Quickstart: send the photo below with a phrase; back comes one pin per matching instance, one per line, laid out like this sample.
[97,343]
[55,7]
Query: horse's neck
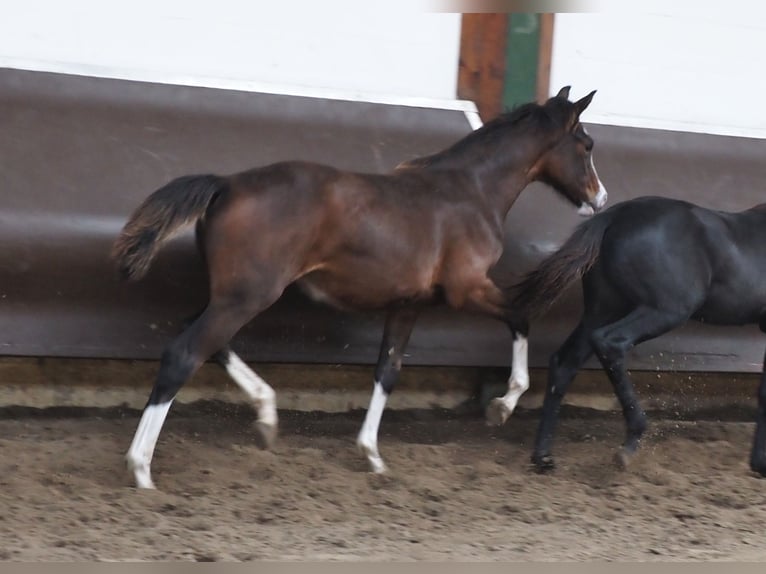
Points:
[500,174]
[503,181]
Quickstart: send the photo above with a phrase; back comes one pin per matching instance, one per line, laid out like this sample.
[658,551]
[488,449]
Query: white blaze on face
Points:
[601,197]
[587,209]
[600,200]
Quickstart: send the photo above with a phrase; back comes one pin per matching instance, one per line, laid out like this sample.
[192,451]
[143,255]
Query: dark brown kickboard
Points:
[78,154]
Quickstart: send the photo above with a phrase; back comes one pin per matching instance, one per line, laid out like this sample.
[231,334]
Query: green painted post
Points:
[522,53]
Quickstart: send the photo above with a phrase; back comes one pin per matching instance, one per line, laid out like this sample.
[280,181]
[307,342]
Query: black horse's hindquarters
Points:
[648,265]
[105,143]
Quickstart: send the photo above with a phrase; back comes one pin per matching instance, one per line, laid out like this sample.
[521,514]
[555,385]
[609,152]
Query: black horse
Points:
[649,265]
[428,231]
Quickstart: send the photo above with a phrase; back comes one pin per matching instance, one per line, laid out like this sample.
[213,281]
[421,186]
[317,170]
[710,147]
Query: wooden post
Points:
[505,60]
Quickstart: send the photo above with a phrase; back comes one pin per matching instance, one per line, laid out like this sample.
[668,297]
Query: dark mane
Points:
[523,119]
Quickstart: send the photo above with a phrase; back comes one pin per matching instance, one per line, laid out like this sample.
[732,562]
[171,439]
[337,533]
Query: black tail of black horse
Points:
[537,292]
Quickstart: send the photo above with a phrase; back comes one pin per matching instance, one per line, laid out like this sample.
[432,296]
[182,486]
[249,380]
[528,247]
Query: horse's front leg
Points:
[490,299]
[562,368]
[758,454]
[500,408]
[399,324]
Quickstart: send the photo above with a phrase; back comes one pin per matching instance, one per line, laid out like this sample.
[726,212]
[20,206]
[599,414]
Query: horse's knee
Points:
[607,347]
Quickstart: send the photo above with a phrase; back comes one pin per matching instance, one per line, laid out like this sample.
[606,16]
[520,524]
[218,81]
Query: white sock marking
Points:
[259,391]
[518,382]
[368,435]
[139,456]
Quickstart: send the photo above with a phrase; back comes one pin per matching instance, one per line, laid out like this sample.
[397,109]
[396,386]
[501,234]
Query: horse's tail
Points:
[164,213]
[537,292]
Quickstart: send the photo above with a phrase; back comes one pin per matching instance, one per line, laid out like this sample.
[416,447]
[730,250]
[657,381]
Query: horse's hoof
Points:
[377,466]
[142,476]
[544,464]
[758,468]
[623,458]
[497,412]
[266,435]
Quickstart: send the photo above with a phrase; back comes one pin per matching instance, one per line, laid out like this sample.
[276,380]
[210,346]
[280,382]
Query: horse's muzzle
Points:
[594,206]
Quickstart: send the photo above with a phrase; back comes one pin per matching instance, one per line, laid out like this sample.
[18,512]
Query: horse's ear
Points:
[580,105]
[564,92]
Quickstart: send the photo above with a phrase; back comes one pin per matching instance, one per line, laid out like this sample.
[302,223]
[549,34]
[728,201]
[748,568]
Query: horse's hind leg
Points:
[258,390]
[611,344]
[562,368]
[208,334]
[399,324]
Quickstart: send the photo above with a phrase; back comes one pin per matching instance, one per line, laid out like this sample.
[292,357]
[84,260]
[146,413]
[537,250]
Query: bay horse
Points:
[427,232]
[647,266]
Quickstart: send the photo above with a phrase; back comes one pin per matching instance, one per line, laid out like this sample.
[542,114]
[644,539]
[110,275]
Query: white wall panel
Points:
[288,46]
[687,67]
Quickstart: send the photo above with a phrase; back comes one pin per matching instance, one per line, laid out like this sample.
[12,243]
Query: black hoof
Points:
[758,468]
[543,463]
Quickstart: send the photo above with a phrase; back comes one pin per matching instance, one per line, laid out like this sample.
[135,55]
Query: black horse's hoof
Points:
[623,458]
[544,464]
[758,468]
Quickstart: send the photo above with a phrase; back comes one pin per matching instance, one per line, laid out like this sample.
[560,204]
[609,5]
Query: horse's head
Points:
[567,166]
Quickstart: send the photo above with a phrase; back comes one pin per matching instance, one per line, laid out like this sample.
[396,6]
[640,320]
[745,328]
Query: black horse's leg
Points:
[500,408]
[611,343]
[758,454]
[399,325]
[562,368]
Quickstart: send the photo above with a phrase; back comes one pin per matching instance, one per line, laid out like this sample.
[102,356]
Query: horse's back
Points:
[673,254]
[654,252]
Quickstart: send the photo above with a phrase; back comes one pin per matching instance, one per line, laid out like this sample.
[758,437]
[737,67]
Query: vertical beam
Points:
[505,60]
[481,72]
[522,52]
[545,55]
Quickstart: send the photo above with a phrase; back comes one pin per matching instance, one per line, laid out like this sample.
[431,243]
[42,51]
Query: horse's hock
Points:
[78,154]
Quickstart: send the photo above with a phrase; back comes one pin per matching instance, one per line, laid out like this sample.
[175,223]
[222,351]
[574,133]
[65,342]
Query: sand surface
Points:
[457,490]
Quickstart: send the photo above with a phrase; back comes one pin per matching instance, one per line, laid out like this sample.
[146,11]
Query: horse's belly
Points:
[362,291]
[731,309]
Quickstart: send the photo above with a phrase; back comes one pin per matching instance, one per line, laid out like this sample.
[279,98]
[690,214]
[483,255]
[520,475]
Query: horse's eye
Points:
[588,144]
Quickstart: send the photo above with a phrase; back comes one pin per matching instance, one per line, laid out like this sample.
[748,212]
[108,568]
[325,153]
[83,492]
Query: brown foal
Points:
[428,232]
